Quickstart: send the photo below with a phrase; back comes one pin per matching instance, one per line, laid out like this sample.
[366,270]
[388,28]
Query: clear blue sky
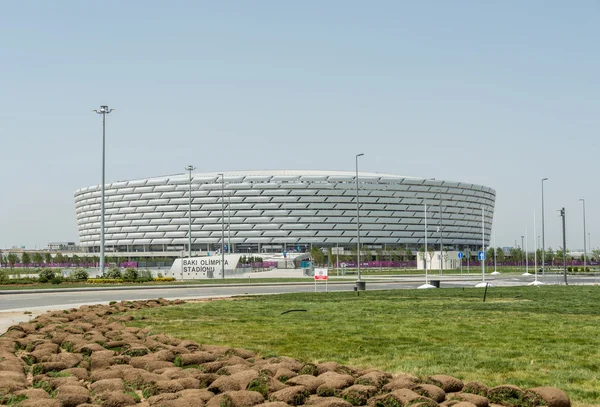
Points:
[499,93]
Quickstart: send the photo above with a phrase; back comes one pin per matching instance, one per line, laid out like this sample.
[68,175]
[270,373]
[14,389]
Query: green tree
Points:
[596,254]
[47,258]
[559,255]
[12,259]
[549,258]
[499,255]
[408,255]
[317,256]
[421,255]
[37,259]
[431,252]
[26,259]
[489,255]
[59,258]
[76,260]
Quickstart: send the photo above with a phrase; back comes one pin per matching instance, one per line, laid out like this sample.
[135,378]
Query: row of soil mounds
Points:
[88,357]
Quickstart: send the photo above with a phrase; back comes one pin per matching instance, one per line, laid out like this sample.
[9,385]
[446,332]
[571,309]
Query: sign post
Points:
[460,257]
[321,274]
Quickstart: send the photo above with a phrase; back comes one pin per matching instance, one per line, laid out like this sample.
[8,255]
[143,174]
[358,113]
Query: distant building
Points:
[62,246]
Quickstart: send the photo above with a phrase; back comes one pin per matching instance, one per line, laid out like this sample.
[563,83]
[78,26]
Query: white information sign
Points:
[203,267]
[321,275]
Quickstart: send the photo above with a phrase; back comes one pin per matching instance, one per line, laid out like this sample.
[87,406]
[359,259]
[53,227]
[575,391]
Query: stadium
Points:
[275,211]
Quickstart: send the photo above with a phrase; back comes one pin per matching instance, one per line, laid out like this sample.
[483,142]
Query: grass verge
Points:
[527,336]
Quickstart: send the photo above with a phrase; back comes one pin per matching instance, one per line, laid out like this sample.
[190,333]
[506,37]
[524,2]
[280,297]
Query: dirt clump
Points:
[242,398]
[358,394]
[448,383]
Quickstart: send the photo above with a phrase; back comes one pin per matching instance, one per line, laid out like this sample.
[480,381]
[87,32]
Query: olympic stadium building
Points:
[272,211]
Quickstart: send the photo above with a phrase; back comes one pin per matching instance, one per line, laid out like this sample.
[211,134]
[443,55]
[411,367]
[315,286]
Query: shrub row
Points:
[101,280]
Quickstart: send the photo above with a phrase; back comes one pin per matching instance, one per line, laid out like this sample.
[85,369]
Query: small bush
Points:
[587,269]
[45,275]
[130,274]
[114,273]
[105,280]
[161,279]
[80,275]
[56,280]
[569,269]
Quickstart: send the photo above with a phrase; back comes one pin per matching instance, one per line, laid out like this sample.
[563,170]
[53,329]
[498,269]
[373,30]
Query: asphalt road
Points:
[26,300]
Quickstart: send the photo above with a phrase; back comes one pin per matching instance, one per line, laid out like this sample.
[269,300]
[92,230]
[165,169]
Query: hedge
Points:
[122,280]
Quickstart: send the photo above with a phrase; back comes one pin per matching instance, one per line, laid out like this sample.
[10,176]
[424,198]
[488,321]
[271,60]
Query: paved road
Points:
[25,300]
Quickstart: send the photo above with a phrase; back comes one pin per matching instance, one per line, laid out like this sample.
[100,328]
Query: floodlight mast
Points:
[104,110]
[190,168]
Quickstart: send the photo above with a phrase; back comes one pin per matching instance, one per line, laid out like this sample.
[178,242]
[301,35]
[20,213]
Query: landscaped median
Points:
[88,357]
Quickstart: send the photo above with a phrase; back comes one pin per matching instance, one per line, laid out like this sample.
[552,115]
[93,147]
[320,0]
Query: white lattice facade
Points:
[274,209]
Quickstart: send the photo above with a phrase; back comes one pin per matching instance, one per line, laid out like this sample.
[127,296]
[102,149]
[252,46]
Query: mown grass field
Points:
[527,336]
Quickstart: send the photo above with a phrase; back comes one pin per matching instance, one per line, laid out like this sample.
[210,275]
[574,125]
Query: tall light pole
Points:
[358,282]
[523,246]
[222,225]
[584,241]
[563,215]
[190,168]
[229,223]
[441,240]
[543,235]
[104,110]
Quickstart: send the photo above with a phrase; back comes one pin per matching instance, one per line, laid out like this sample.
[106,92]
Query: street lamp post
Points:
[229,223]
[522,247]
[190,168]
[359,283]
[584,241]
[441,241]
[222,225]
[104,110]
[543,235]
[563,215]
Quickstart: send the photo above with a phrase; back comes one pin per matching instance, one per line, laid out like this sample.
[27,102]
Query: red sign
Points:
[320,274]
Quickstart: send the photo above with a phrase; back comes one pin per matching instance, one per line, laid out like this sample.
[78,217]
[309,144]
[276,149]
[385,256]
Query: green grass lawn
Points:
[527,336]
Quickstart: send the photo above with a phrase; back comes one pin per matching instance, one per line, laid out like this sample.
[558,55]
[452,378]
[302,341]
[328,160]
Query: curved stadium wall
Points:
[271,210]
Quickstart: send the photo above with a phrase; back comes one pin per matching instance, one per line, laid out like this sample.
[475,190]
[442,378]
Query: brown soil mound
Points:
[310,382]
[197,394]
[40,403]
[402,397]
[358,394]
[78,372]
[374,378]
[448,383]
[507,395]
[476,388]
[33,394]
[107,386]
[237,381]
[72,396]
[243,398]
[283,374]
[334,386]
[476,399]
[464,404]
[552,396]
[196,358]
[116,400]
[401,381]
[293,396]
[327,402]
[430,390]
